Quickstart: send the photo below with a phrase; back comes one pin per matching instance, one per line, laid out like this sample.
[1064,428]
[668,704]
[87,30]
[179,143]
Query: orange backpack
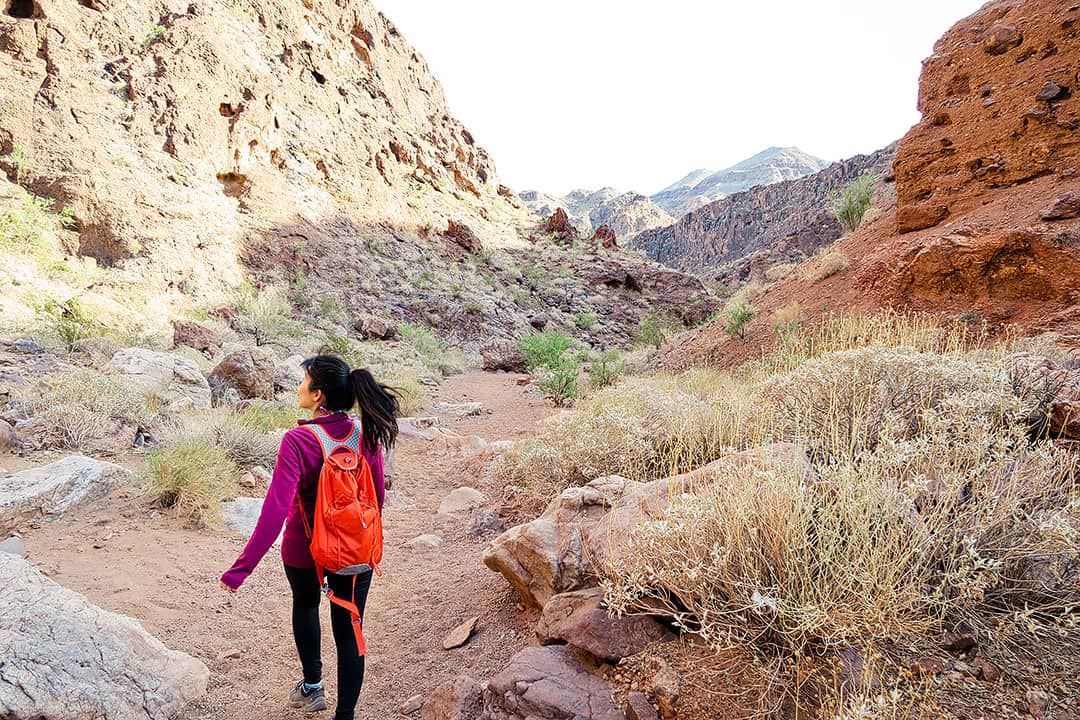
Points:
[347,538]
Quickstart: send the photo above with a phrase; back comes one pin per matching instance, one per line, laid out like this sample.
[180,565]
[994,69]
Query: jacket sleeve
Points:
[279,499]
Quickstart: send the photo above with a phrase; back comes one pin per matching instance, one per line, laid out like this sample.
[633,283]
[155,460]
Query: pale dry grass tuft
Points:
[192,477]
[824,265]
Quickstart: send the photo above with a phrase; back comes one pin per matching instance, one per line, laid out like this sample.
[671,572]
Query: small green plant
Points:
[19,156]
[586,320]
[854,200]
[330,307]
[473,307]
[265,314]
[67,218]
[27,224]
[605,369]
[654,328]
[192,477]
[736,318]
[153,32]
[67,320]
[435,353]
[562,382]
[544,349]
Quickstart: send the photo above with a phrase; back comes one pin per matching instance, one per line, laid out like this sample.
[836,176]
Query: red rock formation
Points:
[1000,107]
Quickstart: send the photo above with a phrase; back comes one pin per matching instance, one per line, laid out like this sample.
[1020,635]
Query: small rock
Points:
[13,546]
[256,477]
[485,522]
[412,705]
[1064,207]
[461,634]
[9,440]
[373,327]
[1037,701]
[989,672]
[425,541]
[229,655]
[26,345]
[540,321]
[424,422]
[241,515]
[248,372]
[396,499]
[638,707]
[959,639]
[464,409]
[1049,91]
[665,688]
[969,670]
[200,337]
[1001,39]
[460,500]
[427,380]
[927,667]
[502,354]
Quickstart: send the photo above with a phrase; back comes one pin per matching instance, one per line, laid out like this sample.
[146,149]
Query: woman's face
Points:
[309,400]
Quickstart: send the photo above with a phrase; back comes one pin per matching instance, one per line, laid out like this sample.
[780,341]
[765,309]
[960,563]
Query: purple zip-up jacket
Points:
[296,474]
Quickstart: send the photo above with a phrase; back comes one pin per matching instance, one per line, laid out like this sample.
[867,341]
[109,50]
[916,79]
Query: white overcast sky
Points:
[586,93]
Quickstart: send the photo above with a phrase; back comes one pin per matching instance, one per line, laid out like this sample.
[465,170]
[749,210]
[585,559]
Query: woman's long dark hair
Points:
[344,388]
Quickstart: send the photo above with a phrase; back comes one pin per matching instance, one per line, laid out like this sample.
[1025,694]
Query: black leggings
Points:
[305,620]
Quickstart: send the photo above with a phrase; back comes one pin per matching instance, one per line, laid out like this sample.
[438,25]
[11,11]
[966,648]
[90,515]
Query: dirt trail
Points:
[127,558]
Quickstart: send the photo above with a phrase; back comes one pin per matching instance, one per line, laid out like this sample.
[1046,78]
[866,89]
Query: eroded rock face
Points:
[546,556]
[457,699]
[66,659]
[172,377]
[578,618]
[999,107]
[200,337]
[47,492]
[250,372]
[542,683]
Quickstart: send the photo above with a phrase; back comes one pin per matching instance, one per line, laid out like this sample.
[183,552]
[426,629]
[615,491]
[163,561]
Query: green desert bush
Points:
[736,317]
[544,349]
[562,381]
[654,328]
[853,201]
[26,224]
[67,321]
[266,315]
[244,436]
[192,476]
[605,369]
[436,354]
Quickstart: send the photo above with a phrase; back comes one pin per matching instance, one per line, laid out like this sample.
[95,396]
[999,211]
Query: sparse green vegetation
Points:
[654,329]
[604,369]
[25,225]
[19,156]
[544,349]
[737,316]
[435,353]
[67,321]
[192,477]
[825,264]
[266,315]
[853,201]
[153,32]
[586,320]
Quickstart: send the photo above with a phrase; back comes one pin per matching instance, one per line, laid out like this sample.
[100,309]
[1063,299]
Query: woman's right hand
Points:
[226,588]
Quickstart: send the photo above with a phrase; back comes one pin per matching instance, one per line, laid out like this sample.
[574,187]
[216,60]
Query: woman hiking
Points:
[329,389]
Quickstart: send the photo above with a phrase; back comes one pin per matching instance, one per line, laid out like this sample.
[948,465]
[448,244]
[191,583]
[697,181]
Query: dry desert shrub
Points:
[247,437]
[192,477]
[824,265]
[76,406]
[778,272]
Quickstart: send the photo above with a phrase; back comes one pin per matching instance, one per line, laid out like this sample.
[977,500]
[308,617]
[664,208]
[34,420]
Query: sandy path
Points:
[127,558]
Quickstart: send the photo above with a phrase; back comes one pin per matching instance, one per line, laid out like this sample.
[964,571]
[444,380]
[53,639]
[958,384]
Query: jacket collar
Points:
[324,420]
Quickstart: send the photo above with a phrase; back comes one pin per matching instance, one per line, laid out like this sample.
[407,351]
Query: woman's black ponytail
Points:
[379,409]
[378,403]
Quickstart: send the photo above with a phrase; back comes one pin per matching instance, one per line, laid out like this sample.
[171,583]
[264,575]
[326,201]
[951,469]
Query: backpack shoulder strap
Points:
[329,444]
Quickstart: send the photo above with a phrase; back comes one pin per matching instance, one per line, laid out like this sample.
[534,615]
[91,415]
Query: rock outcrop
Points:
[580,619]
[250,372]
[47,492]
[66,659]
[744,234]
[171,377]
[626,213]
[173,134]
[701,187]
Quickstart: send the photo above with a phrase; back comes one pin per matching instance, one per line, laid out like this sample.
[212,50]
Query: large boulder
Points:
[64,658]
[288,374]
[550,682]
[375,327]
[47,492]
[502,354]
[200,337]
[1050,390]
[174,378]
[546,556]
[579,618]
[249,371]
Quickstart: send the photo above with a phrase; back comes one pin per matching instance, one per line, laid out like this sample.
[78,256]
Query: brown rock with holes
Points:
[958,639]
[457,699]
[579,618]
[666,689]
[1066,206]
[250,372]
[462,235]
[548,683]
[1037,702]
[1001,39]
[502,354]
[559,225]
[604,238]
[194,335]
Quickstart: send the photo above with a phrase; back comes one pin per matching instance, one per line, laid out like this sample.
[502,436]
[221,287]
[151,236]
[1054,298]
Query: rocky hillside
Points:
[986,224]
[626,213]
[174,131]
[744,234]
[702,187]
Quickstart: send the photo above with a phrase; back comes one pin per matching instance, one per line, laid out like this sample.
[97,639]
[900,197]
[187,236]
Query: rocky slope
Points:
[626,213]
[702,187]
[175,130]
[986,223]
[742,235]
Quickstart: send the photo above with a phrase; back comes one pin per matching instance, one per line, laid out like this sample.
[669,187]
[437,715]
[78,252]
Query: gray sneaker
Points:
[310,700]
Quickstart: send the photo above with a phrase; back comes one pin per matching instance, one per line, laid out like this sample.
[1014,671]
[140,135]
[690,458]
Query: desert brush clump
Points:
[436,354]
[824,265]
[853,201]
[73,407]
[192,476]
[247,437]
